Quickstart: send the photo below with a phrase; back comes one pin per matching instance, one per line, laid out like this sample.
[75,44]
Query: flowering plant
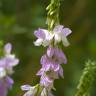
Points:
[7,62]
[51,61]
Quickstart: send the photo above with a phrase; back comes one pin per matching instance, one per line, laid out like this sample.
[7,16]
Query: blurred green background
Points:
[19,19]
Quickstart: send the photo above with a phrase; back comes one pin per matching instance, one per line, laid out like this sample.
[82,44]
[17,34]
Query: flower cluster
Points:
[7,62]
[51,61]
[59,33]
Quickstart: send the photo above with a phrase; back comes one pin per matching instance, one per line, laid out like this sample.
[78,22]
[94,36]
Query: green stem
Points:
[53,14]
[86,79]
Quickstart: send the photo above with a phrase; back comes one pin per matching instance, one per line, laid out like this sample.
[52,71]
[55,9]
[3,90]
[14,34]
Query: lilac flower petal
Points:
[40,33]
[60,72]
[40,72]
[6,63]
[45,81]
[8,48]
[55,67]
[26,87]
[60,56]
[66,32]
[14,62]
[11,61]
[3,88]
[46,67]
[2,62]
[58,29]
[5,85]
[44,60]
[9,82]
[50,51]
[44,37]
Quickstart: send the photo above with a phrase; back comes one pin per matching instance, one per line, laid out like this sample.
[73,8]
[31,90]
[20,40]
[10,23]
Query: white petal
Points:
[26,87]
[46,43]
[57,38]
[38,42]
[29,93]
[2,73]
[44,92]
[65,41]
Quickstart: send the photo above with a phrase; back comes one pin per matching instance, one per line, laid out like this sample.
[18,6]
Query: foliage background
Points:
[19,19]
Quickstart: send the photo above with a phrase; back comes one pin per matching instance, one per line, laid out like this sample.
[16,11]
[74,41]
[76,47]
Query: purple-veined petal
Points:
[46,67]
[40,33]
[58,28]
[50,51]
[44,59]
[44,37]
[8,48]
[45,81]
[55,67]
[66,32]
